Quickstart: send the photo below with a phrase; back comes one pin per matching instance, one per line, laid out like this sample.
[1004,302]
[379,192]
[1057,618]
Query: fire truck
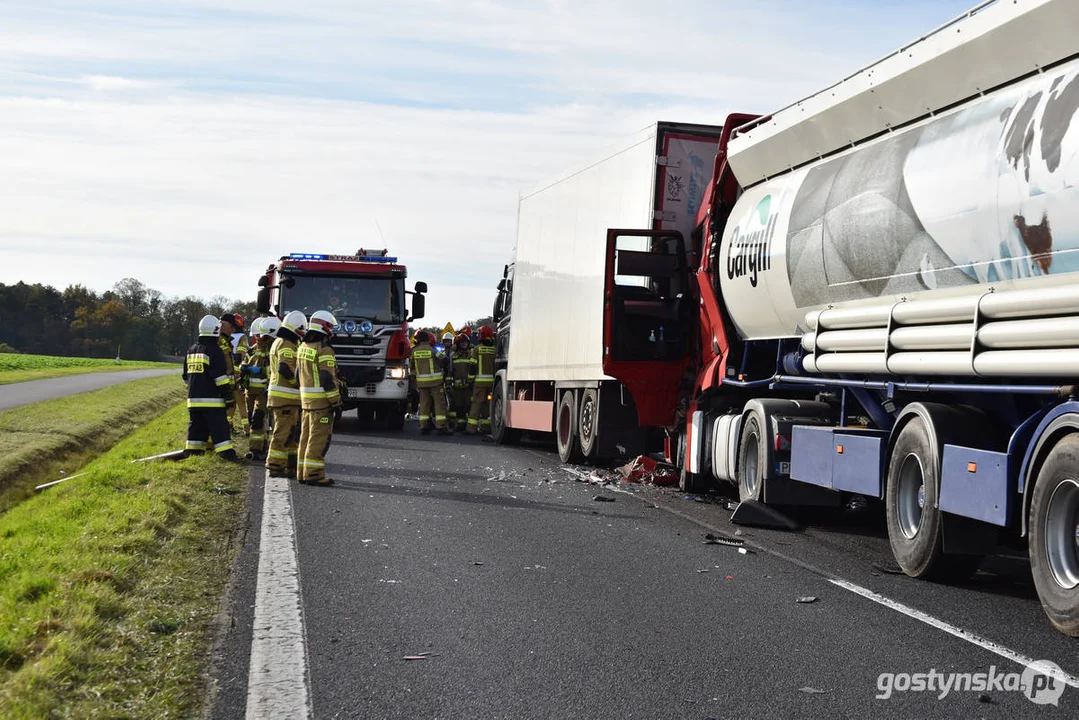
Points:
[366,293]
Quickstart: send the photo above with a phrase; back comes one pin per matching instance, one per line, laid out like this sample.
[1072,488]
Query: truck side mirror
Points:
[419,303]
[421,287]
[496,314]
[262,304]
[501,284]
[289,282]
[264,281]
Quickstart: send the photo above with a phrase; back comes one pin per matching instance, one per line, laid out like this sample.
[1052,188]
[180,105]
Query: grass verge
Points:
[39,441]
[109,583]
[20,368]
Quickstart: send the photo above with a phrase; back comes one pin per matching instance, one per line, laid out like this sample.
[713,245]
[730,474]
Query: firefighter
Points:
[234,346]
[426,367]
[283,397]
[479,416]
[445,350]
[463,375]
[208,394]
[319,395]
[255,369]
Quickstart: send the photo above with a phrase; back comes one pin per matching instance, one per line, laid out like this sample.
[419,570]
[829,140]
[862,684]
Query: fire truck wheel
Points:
[1054,535]
[569,448]
[752,456]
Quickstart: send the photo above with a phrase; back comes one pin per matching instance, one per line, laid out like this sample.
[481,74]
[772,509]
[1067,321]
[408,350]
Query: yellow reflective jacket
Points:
[426,367]
[484,355]
[283,391]
[319,387]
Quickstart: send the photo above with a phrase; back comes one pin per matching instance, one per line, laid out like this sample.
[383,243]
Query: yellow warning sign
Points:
[448,329]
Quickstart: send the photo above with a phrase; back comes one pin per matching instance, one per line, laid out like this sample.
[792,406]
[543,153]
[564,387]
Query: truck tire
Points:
[915,522]
[752,456]
[500,433]
[1054,535]
[588,424]
[565,429]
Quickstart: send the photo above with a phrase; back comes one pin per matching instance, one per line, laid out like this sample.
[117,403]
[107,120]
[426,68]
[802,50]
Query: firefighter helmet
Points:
[295,321]
[209,326]
[462,338]
[323,321]
[269,326]
[256,328]
[422,336]
[447,338]
[486,333]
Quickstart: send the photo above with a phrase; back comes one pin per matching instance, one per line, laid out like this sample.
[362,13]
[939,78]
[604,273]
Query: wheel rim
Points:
[587,415]
[751,475]
[911,495]
[564,426]
[1062,534]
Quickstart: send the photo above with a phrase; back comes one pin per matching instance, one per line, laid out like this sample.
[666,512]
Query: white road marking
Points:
[277,684]
[960,633]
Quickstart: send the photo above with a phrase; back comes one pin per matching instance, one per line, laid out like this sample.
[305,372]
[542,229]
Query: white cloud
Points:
[190,144]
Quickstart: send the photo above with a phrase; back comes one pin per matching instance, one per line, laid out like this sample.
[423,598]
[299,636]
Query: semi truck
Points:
[366,293]
[886,283]
[549,360]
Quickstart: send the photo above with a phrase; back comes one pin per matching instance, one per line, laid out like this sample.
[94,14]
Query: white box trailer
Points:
[551,300]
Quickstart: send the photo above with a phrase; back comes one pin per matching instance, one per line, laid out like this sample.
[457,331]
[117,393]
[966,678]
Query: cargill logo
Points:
[751,247]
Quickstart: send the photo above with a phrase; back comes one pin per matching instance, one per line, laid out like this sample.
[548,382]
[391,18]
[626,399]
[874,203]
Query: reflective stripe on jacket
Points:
[484,355]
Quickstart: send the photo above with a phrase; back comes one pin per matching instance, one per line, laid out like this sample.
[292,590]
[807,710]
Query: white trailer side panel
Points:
[557,330]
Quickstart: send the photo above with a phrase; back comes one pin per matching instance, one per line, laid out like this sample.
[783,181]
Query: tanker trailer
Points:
[889,300]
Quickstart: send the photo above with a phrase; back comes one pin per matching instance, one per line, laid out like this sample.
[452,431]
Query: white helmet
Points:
[209,326]
[295,321]
[323,321]
[256,328]
[269,326]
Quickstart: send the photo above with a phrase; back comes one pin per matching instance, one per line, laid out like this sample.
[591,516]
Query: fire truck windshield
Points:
[378,299]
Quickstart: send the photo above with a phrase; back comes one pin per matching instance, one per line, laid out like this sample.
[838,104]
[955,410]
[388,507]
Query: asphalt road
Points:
[522,596]
[13,395]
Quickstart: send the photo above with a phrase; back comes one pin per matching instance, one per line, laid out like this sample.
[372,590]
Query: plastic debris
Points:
[711,539]
[744,551]
[477,563]
[805,600]
[643,469]
[751,512]
[812,690]
[603,498]
[418,656]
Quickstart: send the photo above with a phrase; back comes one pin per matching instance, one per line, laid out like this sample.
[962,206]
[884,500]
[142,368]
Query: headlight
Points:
[396,373]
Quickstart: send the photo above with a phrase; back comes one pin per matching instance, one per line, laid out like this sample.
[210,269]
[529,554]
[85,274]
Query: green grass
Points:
[109,583]
[20,368]
[40,440]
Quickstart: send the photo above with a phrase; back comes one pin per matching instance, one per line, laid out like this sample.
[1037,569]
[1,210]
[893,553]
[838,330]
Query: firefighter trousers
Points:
[240,408]
[284,440]
[479,416]
[432,399]
[206,424]
[315,433]
[256,403]
[462,403]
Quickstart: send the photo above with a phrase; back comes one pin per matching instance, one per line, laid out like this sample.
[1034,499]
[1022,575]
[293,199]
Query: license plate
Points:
[783,468]
[355,392]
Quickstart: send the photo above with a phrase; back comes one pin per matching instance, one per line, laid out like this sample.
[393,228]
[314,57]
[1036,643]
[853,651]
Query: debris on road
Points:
[805,600]
[812,690]
[986,698]
[603,498]
[712,539]
[744,551]
[418,656]
[643,469]
[477,563]
[751,512]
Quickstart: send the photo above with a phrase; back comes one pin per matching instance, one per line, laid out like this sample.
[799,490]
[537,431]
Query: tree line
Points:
[131,320]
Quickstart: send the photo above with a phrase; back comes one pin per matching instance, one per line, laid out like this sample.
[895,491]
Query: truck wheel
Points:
[588,424]
[1054,535]
[569,449]
[395,417]
[752,456]
[915,522]
[499,432]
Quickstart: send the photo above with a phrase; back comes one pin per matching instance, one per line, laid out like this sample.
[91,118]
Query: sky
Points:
[190,144]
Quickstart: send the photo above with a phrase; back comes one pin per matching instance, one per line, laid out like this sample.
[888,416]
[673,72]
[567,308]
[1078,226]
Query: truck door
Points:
[649,308]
